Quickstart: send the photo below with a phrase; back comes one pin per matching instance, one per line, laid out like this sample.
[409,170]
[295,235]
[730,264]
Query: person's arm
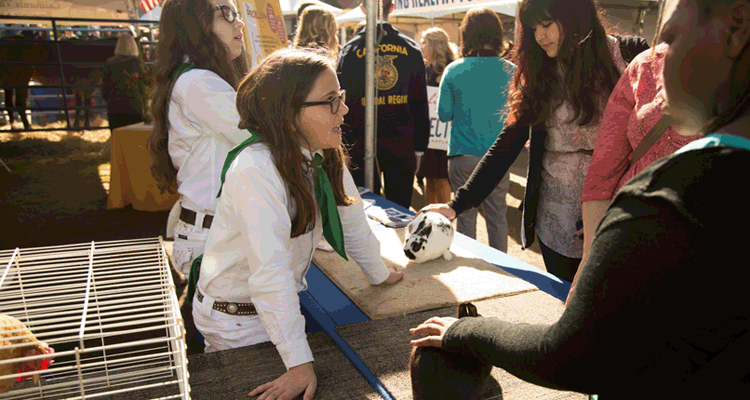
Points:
[445,98]
[420,108]
[209,102]
[611,158]
[107,84]
[360,243]
[491,169]
[593,211]
[255,194]
[625,295]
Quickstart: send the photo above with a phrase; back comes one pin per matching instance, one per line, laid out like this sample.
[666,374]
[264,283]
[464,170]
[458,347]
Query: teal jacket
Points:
[473,92]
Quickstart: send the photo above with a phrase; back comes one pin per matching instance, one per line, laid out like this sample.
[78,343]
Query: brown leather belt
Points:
[228,307]
[190,215]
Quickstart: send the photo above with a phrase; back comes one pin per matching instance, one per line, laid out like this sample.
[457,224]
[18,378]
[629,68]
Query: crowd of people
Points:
[628,147]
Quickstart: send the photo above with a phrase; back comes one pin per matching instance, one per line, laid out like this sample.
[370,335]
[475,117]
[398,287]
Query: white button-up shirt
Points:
[203,123]
[250,256]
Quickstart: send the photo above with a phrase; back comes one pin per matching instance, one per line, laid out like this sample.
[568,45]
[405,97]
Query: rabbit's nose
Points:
[409,254]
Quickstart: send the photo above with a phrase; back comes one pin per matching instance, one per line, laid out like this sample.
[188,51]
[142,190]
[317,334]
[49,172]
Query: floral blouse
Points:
[567,152]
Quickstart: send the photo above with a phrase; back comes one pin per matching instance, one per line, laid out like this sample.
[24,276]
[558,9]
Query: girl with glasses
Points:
[200,60]
[317,28]
[273,211]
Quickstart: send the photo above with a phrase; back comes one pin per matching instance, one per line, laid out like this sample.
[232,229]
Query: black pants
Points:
[397,164]
[559,265]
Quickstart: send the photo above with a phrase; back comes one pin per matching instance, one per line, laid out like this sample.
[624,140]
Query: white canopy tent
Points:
[403,9]
[289,7]
[413,20]
[624,16]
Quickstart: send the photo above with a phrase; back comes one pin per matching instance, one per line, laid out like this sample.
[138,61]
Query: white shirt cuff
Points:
[295,353]
[377,276]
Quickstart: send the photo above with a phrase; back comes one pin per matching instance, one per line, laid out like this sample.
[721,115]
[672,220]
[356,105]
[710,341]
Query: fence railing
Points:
[64,90]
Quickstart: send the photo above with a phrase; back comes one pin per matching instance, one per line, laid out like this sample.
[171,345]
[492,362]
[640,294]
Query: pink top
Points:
[632,110]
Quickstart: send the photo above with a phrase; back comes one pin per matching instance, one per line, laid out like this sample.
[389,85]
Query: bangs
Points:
[533,12]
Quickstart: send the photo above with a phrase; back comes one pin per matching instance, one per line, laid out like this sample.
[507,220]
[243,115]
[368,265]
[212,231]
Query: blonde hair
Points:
[317,26]
[126,46]
[442,51]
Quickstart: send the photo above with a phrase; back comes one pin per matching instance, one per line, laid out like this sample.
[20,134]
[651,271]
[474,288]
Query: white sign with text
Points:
[440,132]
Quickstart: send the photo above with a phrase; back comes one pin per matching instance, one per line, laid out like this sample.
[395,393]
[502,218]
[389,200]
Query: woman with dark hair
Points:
[200,60]
[566,67]
[650,317]
[473,91]
[123,106]
[267,220]
[438,52]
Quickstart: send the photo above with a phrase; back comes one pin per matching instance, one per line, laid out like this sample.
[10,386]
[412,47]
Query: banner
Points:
[440,132]
[264,28]
[56,9]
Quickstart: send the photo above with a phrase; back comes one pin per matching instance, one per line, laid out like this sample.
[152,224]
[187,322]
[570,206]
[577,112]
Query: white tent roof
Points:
[507,7]
[289,7]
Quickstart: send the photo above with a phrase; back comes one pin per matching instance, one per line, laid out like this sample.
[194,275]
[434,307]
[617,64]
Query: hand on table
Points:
[440,208]
[296,380]
[394,276]
[435,328]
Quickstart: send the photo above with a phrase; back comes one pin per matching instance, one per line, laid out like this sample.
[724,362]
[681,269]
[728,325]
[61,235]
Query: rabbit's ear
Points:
[467,310]
[462,311]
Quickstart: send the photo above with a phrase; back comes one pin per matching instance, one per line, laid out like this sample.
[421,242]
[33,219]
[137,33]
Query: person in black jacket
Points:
[123,107]
[650,317]
[403,120]
[566,68]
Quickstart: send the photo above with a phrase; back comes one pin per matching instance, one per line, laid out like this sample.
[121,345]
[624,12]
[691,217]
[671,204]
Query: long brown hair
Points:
[590,73]
[185,29]
[268,101]
[481,27]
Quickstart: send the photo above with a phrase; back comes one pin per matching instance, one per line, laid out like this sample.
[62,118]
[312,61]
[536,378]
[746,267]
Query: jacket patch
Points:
[387,73]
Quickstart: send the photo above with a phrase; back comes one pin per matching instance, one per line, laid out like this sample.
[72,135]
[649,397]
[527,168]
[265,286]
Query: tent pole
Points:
[370,137]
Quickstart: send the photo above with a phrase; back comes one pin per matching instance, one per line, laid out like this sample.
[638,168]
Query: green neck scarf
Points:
[332,228]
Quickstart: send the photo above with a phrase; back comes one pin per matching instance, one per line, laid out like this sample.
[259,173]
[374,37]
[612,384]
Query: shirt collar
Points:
[307,153]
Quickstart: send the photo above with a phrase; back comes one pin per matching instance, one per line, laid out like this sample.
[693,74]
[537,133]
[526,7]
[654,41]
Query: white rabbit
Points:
[430,236]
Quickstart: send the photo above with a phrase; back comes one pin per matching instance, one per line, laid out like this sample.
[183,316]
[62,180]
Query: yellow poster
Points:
[264,28]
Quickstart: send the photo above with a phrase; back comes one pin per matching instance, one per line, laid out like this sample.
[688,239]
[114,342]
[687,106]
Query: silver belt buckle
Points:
[232,308]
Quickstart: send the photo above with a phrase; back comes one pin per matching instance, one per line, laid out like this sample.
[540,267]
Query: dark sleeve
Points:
[419,106]
[631,46]
[107,84]
[616,327]
[491,169]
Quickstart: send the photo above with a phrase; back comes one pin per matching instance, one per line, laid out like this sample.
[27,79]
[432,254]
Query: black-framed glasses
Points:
[334,102]
[228,14]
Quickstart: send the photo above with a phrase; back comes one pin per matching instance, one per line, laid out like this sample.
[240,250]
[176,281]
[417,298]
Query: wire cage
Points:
[110,312]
